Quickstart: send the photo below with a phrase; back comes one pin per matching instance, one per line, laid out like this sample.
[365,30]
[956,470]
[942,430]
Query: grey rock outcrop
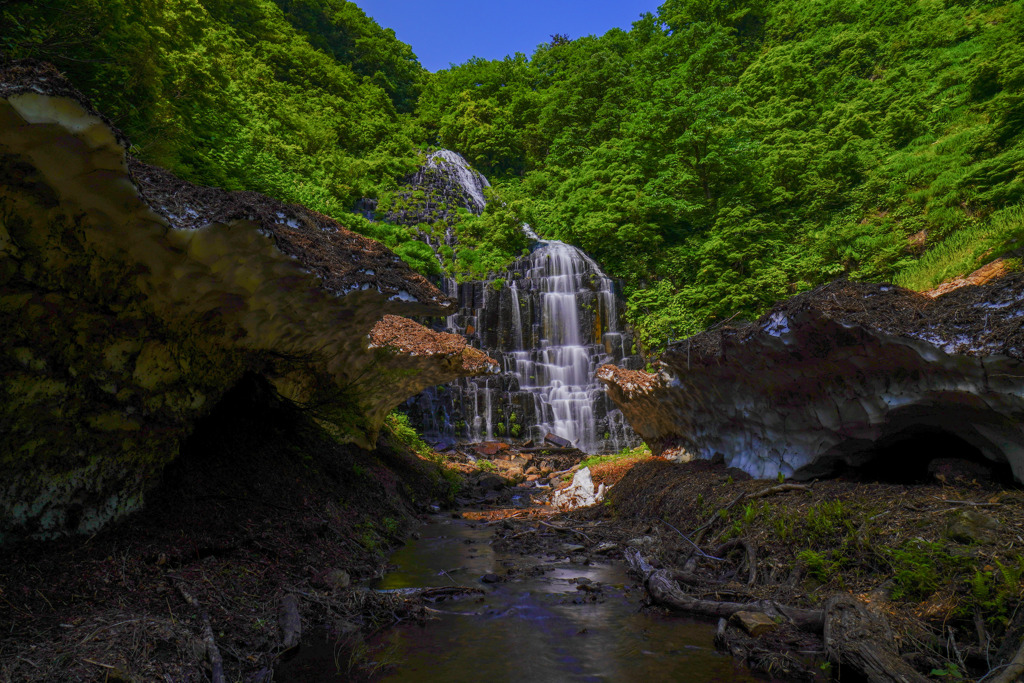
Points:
[131,301]
[849,375]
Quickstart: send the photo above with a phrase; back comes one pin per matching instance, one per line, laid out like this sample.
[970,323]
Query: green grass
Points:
[966,250]
[638,452]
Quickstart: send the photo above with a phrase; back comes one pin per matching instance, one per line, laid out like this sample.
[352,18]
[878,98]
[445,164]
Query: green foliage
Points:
[719,157]
[966,250]
[997,591]
[950,671]
[822,565]
[626,453]
[716,157]
[297,99]
[827,520]
[489,242]
[486,466]
[921,568]
[397,424]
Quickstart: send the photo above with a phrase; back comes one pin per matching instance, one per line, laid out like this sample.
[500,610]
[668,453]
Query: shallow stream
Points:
[536,624]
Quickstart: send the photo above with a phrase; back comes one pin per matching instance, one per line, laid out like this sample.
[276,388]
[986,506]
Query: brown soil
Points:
[896,544]
[412,338]
[261,503]
[342,259]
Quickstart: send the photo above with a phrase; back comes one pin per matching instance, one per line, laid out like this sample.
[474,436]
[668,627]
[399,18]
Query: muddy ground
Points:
[262,504]
[254,513]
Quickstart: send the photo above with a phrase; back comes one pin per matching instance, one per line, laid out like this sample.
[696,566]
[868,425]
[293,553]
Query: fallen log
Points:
[860,638]
[556,440]
[664,589]
[289,621]
[854,635]
[1014,671]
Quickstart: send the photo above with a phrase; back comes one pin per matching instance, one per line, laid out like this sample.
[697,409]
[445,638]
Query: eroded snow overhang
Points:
[828,377]
[131,301]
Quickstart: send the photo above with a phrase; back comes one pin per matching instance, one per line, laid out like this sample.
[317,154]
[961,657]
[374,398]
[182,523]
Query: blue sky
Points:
[444,31]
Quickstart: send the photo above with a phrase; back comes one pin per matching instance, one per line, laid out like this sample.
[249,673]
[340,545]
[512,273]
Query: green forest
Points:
[719,156]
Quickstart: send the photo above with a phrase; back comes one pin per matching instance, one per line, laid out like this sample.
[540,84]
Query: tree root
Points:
[854,635]
[212,651]
[750,558]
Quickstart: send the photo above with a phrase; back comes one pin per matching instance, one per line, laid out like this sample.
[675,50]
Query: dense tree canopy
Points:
[722,155]
[299,99]
[718,156]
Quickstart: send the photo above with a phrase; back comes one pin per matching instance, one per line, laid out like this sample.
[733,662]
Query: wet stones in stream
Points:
[579,621]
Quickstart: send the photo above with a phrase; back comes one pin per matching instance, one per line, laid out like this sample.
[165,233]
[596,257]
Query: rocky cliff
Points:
[849,375]
[131,301]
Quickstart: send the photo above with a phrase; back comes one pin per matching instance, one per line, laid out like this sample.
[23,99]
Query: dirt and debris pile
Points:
[937,566]
[131,301]
[849,375]
[263,510]
[415,340]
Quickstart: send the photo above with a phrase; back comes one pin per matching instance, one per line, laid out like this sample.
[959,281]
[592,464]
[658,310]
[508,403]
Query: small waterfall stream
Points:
[550,321]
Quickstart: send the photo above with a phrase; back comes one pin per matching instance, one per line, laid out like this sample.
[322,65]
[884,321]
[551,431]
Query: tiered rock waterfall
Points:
[550,321]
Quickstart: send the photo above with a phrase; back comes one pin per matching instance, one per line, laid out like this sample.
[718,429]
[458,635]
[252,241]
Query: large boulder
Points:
[848,375]
[132,301]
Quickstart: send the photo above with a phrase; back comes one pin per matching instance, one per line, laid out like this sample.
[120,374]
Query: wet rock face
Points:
[131,301]
[847,376]
[442,185]
[550,320]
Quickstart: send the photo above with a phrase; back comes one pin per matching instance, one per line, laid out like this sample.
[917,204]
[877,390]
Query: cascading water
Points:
[550,321]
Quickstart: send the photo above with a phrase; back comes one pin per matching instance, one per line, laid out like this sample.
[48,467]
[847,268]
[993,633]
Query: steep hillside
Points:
[299,99]
[723,158]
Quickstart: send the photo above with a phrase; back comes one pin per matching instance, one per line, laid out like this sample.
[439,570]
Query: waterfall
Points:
[472,182]
[550,321]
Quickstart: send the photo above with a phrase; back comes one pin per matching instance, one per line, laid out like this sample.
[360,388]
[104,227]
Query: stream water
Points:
[535,627]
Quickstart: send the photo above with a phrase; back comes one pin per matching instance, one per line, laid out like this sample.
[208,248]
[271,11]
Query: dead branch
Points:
[432,593]
[966,502]
[697,547]
[566,529]
[212,652]
[854,634]
[665,590]
[781,488]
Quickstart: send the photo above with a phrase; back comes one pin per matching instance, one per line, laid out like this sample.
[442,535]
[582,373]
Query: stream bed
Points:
[545,620]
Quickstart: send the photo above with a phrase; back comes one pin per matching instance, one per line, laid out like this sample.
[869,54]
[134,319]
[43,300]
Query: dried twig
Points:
[966,502]
[687,539]
[566,529]
[212,652]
